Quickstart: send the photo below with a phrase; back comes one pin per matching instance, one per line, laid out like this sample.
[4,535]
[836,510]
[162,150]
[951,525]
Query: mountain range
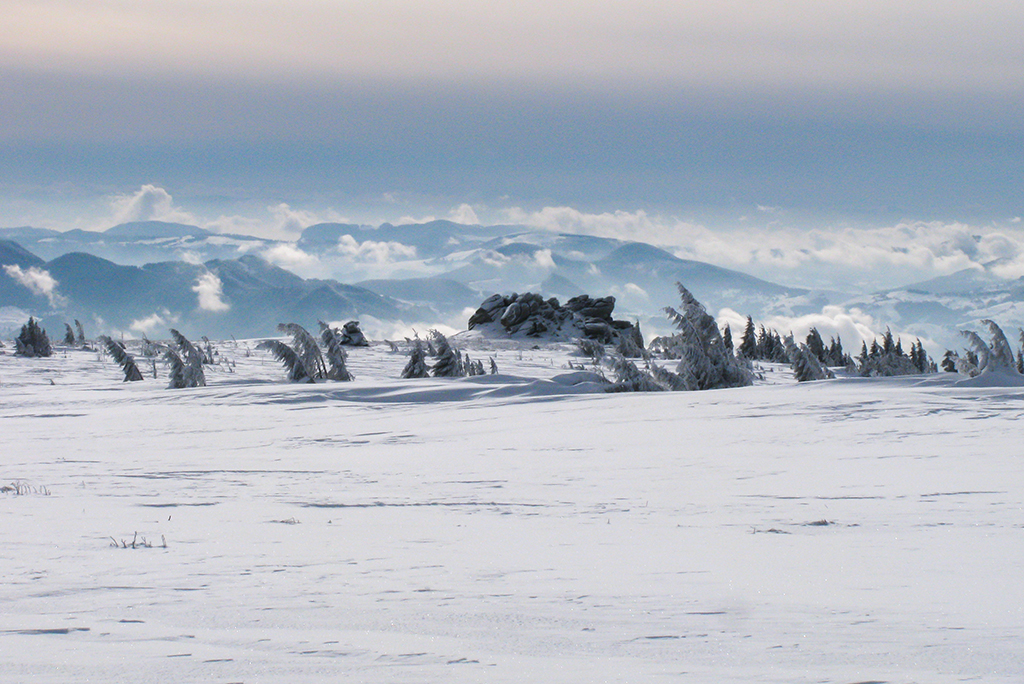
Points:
[145,276]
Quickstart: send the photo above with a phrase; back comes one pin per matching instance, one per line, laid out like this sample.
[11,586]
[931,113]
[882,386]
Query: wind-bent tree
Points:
[297,371]
[704,362]
[995,357]
[417,365]
[123,358]
[629,378]
[336,356]
[805,363]
[449,361]
[186,363]
[307,349]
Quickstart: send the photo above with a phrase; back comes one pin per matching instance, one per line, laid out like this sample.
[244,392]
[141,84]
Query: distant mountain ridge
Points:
[430,273]
[257,296]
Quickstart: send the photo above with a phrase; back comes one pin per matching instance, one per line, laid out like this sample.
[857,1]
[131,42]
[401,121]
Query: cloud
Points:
[38,281]
[152,322]
[148,203]
[288,220]
[464,214]
[817,257]
[374,252]
[291,257]
[210,291]
[543,258]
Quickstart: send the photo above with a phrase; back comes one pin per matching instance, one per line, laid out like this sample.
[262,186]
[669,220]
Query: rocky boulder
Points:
[530,315]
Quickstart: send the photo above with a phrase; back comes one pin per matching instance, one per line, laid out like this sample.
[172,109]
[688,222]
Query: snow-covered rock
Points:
[530,315]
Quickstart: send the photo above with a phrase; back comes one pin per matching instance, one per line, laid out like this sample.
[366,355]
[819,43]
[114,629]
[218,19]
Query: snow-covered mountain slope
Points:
[495,529]
[246,296]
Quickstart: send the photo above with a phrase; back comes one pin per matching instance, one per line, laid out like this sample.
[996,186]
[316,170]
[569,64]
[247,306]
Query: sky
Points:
[760,119]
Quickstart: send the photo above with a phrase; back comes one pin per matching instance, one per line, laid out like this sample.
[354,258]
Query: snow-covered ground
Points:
[505,528]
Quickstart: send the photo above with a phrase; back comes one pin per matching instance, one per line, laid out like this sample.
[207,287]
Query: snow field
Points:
[505,529]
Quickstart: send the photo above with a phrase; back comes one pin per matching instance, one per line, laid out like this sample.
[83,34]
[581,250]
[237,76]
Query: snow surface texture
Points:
[505,528]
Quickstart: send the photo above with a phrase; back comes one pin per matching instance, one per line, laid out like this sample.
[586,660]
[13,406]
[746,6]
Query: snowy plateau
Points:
[505,528]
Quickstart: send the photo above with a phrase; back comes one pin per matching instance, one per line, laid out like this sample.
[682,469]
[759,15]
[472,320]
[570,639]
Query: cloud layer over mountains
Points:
[144,275]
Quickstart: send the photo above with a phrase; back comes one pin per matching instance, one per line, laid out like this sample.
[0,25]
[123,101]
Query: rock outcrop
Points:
[530,315]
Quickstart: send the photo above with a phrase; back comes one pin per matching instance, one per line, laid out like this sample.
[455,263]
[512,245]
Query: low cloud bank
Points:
[38,281]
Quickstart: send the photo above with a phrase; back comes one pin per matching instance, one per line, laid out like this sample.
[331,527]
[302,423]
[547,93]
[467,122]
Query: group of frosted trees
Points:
[184,359]
[812,358]
[996,356]
[449,362]
[703,359]
[32,340]
[704,356]
[304,359]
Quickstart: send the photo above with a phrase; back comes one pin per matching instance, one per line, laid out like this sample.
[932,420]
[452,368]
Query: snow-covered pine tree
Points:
[69,336]
[80,337]
[494,366]
[727,339]
[176,370]
[306,348]
[32,341]
[816,345]
[336,356]
[991,358]
[591,348]
[1001,356]
[804,362]
[417,365]
[748,344]
[296,367]
[667,378]
[703,360]
[190,360]
[208,352]
[448,363]
[629,378]
[123,358]
[980,349]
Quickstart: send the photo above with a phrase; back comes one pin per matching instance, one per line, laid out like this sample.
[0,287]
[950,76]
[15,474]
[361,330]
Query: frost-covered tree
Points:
[417,365]
[186,363]
[704,362]
[336,356]
[123,358]
[448,363]
[591,348]
[69,336]
[629,378]
[494,366]
[32,341]
[814,344]
[805,363]
[748,344]
[293,363]
[889,359]
[727,339]
[994,357]
[306,348]
[667,378]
